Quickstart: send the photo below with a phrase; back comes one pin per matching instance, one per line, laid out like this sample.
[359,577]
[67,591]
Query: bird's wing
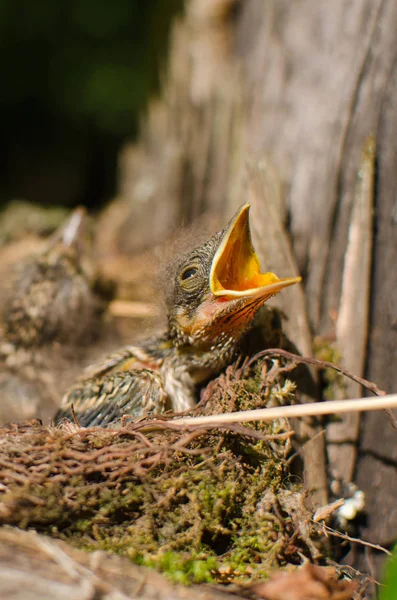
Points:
[126,359]
[102,401]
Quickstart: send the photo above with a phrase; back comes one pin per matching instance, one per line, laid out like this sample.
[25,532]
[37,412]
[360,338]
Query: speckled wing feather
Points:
[126,382]
[125,359]
[101,401]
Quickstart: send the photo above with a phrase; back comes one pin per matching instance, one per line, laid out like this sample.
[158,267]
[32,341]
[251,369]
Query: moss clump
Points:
[334,382]
[182,568]
[193,503]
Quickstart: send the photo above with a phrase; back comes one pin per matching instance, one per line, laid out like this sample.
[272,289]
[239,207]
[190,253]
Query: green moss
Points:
[334,382]
[184,569]
[201,524]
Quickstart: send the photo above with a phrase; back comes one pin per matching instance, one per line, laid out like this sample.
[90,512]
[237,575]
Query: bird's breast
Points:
[180,388]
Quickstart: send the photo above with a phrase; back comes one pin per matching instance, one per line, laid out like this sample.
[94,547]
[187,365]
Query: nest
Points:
[201,503]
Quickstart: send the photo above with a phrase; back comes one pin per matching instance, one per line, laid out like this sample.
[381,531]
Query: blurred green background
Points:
[76,75]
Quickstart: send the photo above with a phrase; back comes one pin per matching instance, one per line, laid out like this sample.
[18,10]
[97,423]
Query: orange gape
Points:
[236,270]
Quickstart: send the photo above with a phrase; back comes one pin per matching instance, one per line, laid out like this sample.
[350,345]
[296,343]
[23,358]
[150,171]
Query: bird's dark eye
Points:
[189,273]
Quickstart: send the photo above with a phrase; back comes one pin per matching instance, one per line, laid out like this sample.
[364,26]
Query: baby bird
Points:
[50,306]
[212,295]
[51,296]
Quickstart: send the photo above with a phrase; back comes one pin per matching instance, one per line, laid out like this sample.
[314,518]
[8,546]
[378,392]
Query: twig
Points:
[323,364]
[344,536]
[130,309]
[232,427]
[311,409]
[300,451]
[392,419]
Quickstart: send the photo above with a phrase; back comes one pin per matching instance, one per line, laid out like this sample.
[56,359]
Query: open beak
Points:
[235,270]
